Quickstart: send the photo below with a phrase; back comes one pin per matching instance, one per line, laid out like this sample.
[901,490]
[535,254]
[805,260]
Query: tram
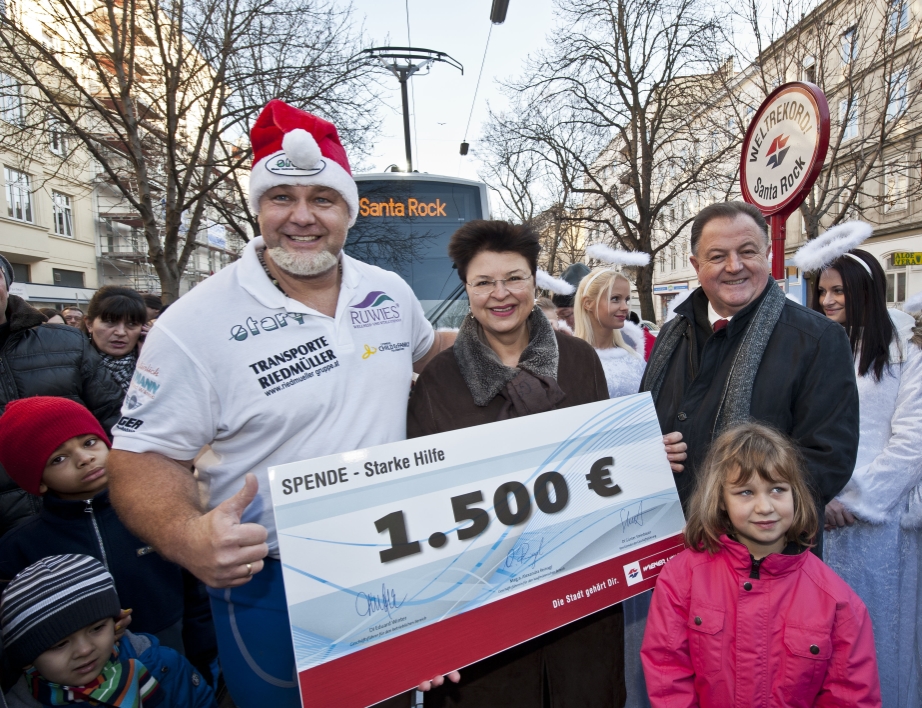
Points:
[404,224]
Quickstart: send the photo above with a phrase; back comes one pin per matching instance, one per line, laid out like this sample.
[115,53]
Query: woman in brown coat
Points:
[509,362]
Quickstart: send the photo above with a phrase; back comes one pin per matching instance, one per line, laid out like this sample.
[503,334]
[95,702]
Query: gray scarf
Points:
[530,387]
[736,399]
[121,368]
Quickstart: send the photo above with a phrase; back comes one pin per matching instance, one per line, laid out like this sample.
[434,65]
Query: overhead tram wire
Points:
[483,62]
[412,89]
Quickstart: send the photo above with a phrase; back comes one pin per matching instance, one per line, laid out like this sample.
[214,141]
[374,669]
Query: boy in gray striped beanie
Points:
[58,625]
[52,599]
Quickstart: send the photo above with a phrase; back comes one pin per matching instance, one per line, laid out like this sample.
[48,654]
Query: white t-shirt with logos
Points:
[263,380]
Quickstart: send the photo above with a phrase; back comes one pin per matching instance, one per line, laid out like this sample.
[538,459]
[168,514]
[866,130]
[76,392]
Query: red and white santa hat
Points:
[291,146]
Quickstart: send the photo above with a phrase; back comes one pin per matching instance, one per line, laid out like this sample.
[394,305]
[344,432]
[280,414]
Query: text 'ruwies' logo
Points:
[376,308]
[373,299]
[777,151]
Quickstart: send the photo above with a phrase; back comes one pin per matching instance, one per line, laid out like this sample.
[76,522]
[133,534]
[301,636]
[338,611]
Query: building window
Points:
[896,279]
[21,273]
[63,215]
[898,85]
[18,195]
[49,40]
[673,256]
[899,15]
[810,69]
[849,45]
[662,264]
[849,119]
[896,288]
[10,99]
[70,278]
[896,186]
[57,137]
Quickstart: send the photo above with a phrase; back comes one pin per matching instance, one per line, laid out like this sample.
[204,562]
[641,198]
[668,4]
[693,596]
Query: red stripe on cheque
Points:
[397,665]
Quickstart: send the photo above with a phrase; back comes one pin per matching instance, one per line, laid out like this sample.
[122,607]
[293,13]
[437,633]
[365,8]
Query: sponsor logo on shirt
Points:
[370,351]
[393,346]
[295,365]
[376,308]
[143,386]
[253,327]
[127,424]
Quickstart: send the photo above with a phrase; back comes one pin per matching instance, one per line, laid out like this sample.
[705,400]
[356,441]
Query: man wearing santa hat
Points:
[260,365]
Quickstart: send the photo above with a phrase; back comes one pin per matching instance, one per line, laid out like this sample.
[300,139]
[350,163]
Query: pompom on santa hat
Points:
[293,147]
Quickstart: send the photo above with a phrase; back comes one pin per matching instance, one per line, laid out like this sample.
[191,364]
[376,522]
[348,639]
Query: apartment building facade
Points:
[64,226]
[867,58]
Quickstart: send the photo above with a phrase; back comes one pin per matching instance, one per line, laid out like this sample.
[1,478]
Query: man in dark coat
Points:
[739,349]
[45,360]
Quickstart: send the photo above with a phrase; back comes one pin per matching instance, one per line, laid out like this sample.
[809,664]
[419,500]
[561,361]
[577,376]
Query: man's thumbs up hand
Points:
[222,551]
[234,507]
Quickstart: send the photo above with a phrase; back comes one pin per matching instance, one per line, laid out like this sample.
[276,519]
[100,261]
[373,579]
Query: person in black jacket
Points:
[738,349]
[49,360]
[65,463]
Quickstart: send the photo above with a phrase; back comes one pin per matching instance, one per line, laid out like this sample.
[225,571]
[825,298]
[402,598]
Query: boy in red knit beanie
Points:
[54,447]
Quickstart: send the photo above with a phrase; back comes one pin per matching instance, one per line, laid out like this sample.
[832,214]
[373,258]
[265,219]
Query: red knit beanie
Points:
[33,428]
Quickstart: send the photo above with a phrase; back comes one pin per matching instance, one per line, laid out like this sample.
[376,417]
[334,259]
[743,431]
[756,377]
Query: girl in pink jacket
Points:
[746,617]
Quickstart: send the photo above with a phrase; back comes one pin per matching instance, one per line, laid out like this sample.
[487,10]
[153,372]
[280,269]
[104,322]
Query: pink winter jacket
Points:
[789,634]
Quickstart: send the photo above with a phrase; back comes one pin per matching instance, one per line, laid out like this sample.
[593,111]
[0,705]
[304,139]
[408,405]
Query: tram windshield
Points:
[404,224]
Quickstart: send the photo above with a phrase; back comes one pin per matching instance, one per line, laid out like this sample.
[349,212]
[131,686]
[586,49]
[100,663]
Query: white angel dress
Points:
[879,555]
[624,369]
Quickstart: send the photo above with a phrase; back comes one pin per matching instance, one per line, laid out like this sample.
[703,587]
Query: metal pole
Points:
[778,236]
[406,118]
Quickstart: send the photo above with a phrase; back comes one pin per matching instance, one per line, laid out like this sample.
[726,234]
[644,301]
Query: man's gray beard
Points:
[302,264]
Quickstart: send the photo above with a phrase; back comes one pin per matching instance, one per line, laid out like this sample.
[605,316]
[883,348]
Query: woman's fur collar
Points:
[483,372]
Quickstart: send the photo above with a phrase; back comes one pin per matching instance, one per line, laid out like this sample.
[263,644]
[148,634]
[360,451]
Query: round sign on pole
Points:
[783,153]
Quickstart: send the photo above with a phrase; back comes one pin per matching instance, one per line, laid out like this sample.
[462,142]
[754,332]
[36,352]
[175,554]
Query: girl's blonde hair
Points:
[598,284]
[740,452]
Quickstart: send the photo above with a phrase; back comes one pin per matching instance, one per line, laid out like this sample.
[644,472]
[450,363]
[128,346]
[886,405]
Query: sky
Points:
[443,99]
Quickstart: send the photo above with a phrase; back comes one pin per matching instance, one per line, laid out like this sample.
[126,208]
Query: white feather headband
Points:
[617,256]
[835,243]
[914,304]
[559,286]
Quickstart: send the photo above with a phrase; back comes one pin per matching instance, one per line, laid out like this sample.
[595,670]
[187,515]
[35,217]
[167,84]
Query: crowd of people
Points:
[139,561]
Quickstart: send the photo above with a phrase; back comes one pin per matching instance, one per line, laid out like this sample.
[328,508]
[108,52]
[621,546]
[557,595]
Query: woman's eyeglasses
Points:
[514,284]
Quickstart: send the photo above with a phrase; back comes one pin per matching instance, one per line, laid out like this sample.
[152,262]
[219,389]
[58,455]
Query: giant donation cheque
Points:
[419,557]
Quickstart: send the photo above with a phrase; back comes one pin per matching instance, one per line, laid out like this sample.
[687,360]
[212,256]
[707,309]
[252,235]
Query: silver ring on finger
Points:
[249,569]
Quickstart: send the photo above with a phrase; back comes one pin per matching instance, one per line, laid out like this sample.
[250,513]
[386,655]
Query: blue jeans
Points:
[254,641]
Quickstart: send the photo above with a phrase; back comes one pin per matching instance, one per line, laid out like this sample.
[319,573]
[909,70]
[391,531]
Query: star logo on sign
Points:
[777,151]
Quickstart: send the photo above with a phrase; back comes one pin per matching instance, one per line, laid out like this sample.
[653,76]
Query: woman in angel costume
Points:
[601,311]
[873,527]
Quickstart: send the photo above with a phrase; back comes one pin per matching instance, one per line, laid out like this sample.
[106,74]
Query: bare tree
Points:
[159,97]
[622,106]
[531,191]
[867,59]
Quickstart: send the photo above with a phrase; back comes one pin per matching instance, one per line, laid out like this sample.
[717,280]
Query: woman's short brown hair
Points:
[495,236]
[736,455]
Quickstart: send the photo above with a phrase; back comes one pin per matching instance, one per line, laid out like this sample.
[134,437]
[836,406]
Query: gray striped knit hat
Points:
[52,599]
